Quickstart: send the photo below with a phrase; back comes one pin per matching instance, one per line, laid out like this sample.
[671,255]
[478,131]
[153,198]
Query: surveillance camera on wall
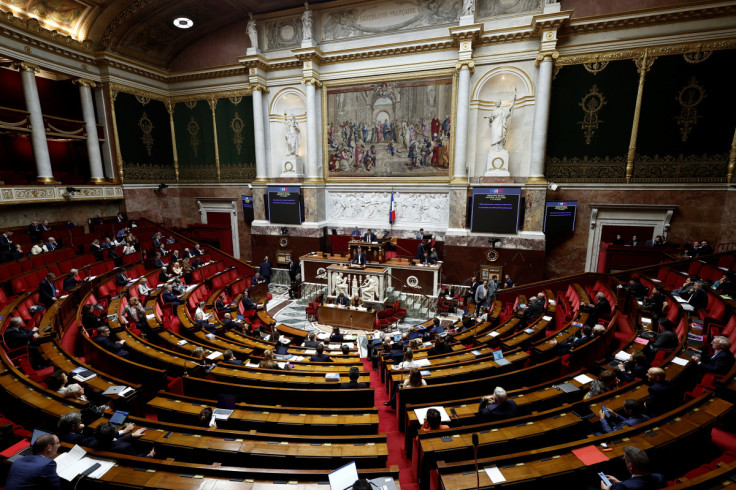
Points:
[553,187]
[250,186]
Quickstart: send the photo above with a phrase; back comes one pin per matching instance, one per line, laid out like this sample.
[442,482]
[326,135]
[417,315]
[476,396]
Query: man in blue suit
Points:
[369,236]
[115,346]
[265,270]
[637,463]
[37,470]
[359,257]
[497,406]
[47,290]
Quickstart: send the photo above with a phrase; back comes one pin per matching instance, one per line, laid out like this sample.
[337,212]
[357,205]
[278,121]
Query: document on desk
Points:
[494,474]
[583,379]
[421,414]
[76,461]
[680,361]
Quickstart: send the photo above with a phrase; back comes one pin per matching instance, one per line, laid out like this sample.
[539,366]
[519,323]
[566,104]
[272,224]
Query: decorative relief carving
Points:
[237,125]
[237,173]
[146,126]
[285,33]
[193,130]
[691,168]
[145,174]
[697,57]
[606,169]
[411,207]
[591,104]
[488,8]
[26,194]
[690,96]
[595,67]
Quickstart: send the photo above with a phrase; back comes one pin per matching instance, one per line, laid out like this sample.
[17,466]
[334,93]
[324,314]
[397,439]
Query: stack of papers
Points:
[583,379]
[421,414]
[214,355]
[622,356]
[76,462]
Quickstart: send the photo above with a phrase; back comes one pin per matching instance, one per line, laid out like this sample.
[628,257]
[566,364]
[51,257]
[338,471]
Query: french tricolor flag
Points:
[392,210]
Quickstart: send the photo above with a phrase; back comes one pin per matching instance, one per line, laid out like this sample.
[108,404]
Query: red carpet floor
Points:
[394,439]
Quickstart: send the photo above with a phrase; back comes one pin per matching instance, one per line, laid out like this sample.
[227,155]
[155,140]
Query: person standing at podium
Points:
[370,237]
[359,257]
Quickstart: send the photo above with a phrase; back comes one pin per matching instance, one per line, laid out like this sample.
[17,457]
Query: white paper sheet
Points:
[583,379]
[494,474]
[421,414]
[680,361]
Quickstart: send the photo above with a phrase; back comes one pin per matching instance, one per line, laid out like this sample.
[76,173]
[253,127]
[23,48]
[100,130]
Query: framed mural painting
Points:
[389,127]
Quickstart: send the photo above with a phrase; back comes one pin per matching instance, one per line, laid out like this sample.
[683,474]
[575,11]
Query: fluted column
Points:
[260,136]
[97,174]
[312,153]
[464,69]
[541,116]
[38,132]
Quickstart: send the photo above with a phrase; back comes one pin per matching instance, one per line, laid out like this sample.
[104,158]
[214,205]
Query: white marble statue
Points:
[340,283]
[499,125]
[252,31]
[307,23]
[369,289]
[293,135]
[468,7]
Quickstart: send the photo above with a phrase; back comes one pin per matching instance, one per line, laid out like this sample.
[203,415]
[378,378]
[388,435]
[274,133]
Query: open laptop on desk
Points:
[225,407]
[499,359]
[343,478]
[23,448]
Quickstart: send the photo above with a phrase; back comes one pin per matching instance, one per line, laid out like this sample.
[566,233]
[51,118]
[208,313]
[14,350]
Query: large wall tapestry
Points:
[389,129]
[685,126]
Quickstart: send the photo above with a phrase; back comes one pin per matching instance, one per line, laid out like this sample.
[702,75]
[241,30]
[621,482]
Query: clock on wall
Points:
[492,255]
[283,242]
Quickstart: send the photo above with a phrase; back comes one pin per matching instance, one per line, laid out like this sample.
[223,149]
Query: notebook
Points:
[118,418]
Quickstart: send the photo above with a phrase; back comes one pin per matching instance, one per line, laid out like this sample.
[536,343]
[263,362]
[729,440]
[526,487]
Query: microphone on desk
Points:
[475,455]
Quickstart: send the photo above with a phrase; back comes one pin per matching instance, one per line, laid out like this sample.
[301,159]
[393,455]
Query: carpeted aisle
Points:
[394,439]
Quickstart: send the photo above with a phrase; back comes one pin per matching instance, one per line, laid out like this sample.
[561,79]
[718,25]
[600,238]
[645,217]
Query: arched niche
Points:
[284,104]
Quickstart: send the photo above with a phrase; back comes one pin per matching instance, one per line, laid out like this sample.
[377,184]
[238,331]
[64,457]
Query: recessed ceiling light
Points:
[183,22]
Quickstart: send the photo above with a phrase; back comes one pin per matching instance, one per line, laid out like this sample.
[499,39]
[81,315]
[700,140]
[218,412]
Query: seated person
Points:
[311,340]
[37,470]
[163,275]
[359,258]
[497,406]
[408,362]
[121,279]
[633,415]
[90,321]
[104,340]
[426,258]
[107,440]
[637,463]
[356,301]
[202,318]
[17,335]
[654,304]
[415,379]
[699,298]
[158,261]
[229,358]
[336,335]
[663,393]
[580,338]
[440,347]
[601,307]
[168,296]
[248,305]
[666,339]
[143,288]
[320,356]
[206,419]
[533,311]
[72,280]
[342,300]
[433,421]
[635,287]
[606,381]
[636,367]
[686,289]
[71,430]
[57,381]
[725,283]
[353,376]
[228,323]
[134,313]
[221,305]
[722,359]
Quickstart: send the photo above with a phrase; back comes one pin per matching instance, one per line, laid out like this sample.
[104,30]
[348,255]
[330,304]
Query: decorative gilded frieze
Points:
[37,194]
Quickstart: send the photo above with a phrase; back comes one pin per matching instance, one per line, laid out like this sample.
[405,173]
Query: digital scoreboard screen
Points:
[495,210]
[559,216]
[247,208]
[285,205]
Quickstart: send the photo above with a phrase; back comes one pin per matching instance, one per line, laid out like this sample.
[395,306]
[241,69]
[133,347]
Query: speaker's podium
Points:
[374,251]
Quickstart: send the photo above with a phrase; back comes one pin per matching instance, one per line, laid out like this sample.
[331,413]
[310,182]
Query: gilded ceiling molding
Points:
[589,25]
[209,75]
[635,53]
[33,27]
[121,18]
[116,87]
[210,96]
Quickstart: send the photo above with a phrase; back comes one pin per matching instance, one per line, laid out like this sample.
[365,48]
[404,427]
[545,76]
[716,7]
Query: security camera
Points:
[161,187]
[553,187]
[250,186]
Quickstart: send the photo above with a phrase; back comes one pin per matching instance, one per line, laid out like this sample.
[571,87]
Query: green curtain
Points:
[195,142]
[235,138]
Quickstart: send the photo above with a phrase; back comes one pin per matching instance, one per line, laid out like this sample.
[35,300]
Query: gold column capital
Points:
[311,81]
[83,82]
[26,66]
[546,56]
[468,64]
[259,87]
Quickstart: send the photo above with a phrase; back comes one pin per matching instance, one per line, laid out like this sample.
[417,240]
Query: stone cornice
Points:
[50,193]
[634,53]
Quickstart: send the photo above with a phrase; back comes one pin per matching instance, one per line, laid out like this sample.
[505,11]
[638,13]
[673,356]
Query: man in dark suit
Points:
[265,270]
[37,470]
[71,281]
[108,439]
[121,279]
[359,257]
[311,341]
[420,250]
[294,269]
[320,356]
[229,358]
[699,298]
[6,246]
[704,249]
[440,347]
[635,287]
[17,335]
[51,244]
[342,300]
[721,361]
[228,323]
[666,338]
[369,237]
[34,231]
[47,290]
[104,340]
[574,341]
[637,463]
[497,406]
[336,335]
[633,415]
[248,305]
[71,430]
[119,218]
[353,375]
[221,305]
[601,307]
[663,394]
[168,296]
[533,311]
[634,242]
[98,219]
[294,289]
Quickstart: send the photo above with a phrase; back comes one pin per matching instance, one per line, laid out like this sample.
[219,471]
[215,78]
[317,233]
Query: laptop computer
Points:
[118,418]
[225,407]
[27,448]
[343,478]
[498,358]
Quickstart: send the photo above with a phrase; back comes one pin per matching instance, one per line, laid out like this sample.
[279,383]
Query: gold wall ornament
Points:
[591,104]
[237,125]
[143,99]
[146,126]
[731,159]
[595,67]
[193,130]
[697,57]
[690,96]
[235,100]
[191,104]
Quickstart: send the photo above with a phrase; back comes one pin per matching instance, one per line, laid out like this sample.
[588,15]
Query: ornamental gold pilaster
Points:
[732,159]
[213,105]
[118,155]
[468,64]
[170,109]
[643,65]
[311,81]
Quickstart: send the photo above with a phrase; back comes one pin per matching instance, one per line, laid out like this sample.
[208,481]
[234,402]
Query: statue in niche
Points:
[292,135]
[468,7]
[369,288]
[307,23]
[498,121]
[250,28]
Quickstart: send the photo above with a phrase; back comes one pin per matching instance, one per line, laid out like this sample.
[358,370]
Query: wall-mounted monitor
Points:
[559,216]
[495,209]
[285,205]
[248,215]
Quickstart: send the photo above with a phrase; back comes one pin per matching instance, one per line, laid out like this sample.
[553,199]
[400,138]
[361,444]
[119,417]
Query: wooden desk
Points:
[347,318]
[374,252]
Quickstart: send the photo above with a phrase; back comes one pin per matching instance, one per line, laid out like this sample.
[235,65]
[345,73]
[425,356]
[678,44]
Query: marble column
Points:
[260,135]
[461,120]
[97,174]
[541,118]
[38,131]
[312,164]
